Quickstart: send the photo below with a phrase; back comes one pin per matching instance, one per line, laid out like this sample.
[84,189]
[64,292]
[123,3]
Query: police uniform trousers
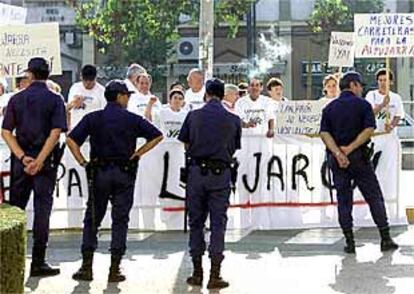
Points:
[361,172]
[42,184]
[207,194]
[110,183]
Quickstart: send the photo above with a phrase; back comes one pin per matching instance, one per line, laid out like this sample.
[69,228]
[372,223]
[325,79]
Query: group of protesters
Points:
[104,112]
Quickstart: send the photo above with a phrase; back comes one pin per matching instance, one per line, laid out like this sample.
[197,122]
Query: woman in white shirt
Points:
[330,88]
[168,118]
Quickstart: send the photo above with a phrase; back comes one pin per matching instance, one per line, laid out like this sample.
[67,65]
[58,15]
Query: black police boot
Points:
[216,281]
[387,243]
[350,242]
[115,274]
[85,272]
[39,268]
[197,278]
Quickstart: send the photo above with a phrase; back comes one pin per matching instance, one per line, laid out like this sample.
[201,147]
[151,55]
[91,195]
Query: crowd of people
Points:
[208,118]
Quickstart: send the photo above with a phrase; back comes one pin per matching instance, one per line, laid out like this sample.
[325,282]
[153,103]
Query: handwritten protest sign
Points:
[384,35]
[299,117]
[341,49]
[10,14]
[19,43]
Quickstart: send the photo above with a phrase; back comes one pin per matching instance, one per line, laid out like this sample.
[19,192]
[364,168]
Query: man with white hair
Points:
[231,94]
[133,71]
[194,96]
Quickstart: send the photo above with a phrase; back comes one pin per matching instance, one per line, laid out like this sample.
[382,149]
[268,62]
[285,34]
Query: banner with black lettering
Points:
[282,183]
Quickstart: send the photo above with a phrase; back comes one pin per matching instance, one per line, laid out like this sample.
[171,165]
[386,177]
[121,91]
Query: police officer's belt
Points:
[125,164]
[215,166]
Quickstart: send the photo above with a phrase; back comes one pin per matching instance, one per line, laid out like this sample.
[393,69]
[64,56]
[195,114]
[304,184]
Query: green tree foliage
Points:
[331,15]
[145,30]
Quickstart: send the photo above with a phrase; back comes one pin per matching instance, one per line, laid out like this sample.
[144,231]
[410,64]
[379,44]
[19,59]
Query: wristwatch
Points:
[84,163]
[22,157]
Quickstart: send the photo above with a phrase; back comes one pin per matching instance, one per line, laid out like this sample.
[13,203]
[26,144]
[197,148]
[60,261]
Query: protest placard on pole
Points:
[11,14]
[341,49]
[301,117]
[384,35]
[20,43]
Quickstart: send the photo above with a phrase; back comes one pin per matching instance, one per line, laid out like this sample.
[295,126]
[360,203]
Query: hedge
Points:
[12,249]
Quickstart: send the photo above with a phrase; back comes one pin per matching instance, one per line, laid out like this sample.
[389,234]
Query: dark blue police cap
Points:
[117,86]
[37,64]
[352,76]
[215,87]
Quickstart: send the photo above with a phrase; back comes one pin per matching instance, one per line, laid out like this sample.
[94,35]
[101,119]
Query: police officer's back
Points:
[212,135]
[347,124]
[112,170]
[38,117]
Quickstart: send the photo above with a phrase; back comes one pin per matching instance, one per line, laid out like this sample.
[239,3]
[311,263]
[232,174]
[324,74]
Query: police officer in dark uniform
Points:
[38,117]
[346,128]
[211,136]
[111,172]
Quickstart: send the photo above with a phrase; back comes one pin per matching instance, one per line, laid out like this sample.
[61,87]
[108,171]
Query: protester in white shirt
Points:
[231,94]
[4,99]
[388,109]
[256,111]
[138,102]
[275,89]
[133,71]
[330,88]
[177,85]
[170,117]
[85,96]
[194,97]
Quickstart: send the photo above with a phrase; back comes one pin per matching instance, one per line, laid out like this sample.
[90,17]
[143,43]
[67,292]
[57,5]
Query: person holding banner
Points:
[347,125]
[211,135]
[37,115]
[330,88]
[386,104]
[85,96]
[275,89]
[256,111]
[111,172]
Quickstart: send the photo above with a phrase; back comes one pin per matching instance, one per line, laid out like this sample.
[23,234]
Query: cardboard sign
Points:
[299,117]
[342,49]
[10,14]
[384,35]
[20,43]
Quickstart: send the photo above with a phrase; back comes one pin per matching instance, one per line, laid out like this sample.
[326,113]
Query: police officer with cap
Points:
[211,135]
[111,171]
[37,115]
[346,128]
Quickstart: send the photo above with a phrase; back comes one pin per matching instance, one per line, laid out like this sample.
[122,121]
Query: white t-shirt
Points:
[130,85]
[4,100]
[194,100]
[259,111]
[169,122]
[138,103]
[395,107]
[94,99]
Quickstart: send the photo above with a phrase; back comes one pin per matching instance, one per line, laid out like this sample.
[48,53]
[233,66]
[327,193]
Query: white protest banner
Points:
[384,35]
[282,183]
[20,43]
[10,14]
[299,117]
[342,49]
